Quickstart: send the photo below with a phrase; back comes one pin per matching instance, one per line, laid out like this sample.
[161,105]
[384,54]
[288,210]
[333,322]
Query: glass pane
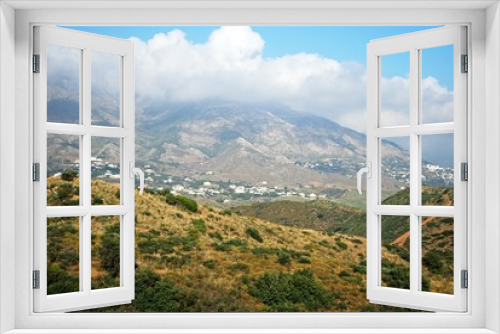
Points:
[63,84]
[437,84]
[63,255]
[63,166]
[395,232]
[437,254]
[437,170]
[105,89]
[395,171]
[105,250]
[105,171]
[395,90]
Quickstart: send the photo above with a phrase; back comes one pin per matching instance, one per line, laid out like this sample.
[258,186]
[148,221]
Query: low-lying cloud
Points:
[231,65]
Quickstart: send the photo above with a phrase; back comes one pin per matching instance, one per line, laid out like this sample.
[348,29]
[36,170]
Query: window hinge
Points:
[465,279]
[465,64]
[36,279]
[464,170]
[36,172]
[36,63]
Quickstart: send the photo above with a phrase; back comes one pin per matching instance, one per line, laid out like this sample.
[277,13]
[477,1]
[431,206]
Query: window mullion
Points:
[85,173]
[414,172]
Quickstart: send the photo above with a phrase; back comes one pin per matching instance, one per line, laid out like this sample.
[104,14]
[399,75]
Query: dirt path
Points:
[400,241]
[402,238]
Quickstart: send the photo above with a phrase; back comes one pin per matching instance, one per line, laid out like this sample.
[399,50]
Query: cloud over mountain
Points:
[231,65]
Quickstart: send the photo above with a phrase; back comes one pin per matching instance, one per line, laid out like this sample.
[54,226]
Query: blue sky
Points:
[340,43]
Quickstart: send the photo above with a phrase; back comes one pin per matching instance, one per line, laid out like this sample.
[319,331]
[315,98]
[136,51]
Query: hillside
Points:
[213,260]
[437,232]
[318,215]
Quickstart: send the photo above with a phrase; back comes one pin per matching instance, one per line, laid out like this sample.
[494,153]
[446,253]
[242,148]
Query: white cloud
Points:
[230,65]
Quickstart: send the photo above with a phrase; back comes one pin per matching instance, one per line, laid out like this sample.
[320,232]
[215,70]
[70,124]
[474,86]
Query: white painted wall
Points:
[7,167]
[492,166]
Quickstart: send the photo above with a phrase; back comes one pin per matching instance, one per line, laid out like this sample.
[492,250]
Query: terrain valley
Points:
[247,208]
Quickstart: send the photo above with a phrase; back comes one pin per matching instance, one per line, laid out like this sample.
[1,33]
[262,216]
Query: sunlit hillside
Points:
[213,260]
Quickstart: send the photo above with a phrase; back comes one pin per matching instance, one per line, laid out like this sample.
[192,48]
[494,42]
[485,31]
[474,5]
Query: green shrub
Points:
[238,266]
[187,203]
[255,234]
[156,294]
[69,175]
[210,264]
[59,281]
[199,224]
[182,201]
[341,245]
[304,260]
[226,212]
[97,200]
[433,261]
[286,292]
[110,250]
[215,235]
[284,258]
[230,244]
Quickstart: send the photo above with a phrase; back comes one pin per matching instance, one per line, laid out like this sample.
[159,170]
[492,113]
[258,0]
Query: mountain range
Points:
[232,141]
[250,143]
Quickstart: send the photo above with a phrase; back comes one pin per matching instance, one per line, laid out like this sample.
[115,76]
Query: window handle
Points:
[368,171]
[134,170]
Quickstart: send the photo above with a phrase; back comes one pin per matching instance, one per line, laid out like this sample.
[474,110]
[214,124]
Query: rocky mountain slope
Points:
[238,142]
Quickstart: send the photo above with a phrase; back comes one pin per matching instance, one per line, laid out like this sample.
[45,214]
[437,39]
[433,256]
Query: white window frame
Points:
[483,102]
[86,43]
[414,43]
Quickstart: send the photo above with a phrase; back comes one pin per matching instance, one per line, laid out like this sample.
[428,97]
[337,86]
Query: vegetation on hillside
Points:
[210,260]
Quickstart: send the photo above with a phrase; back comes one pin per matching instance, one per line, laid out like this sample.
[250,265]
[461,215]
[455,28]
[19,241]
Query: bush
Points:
[187,203]
[255,234]
[110,250]
[304,260]
[432,260]
[228,245]
[284,258]
[182,201]
[156,294]
[199,224]
[226,212]
[341,245]
[210,264]
[238,266]
[69,175]
[97,200]
[59,281]
[291,292]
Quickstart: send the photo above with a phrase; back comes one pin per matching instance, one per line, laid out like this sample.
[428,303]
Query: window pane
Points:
[63,84]
[395,171]
[63,166]
[437,254]
[106,89]
[437,84]
[105,171]
[395,266]
[437,170]
[395,90]
[105,252]
[63,255]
